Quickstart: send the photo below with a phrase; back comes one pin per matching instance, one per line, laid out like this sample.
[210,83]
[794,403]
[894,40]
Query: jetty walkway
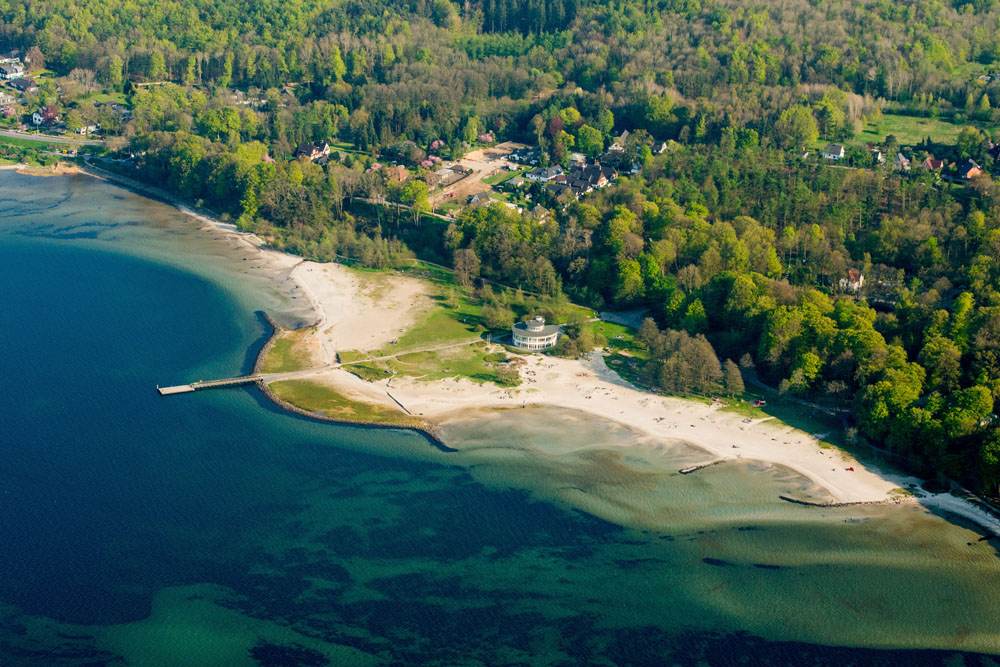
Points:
[208,384]
[267,378]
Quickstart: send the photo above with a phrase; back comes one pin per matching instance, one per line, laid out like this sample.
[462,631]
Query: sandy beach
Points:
[352,313]
[356,314]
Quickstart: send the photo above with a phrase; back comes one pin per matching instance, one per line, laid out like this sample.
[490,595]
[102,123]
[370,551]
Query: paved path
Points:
[44,138]
[750,377]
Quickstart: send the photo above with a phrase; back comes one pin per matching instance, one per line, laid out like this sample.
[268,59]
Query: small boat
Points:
[851,469]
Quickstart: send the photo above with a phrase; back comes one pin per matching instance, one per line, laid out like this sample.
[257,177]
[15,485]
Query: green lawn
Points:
[345,147]
[440,326]
[620,338]
[41,143]
[473,362]
[913,129]
[290,352]
[325,400]
[502,177]
[104,97]
[447,207]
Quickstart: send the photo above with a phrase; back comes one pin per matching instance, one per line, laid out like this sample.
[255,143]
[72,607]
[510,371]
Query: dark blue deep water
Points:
[280,541]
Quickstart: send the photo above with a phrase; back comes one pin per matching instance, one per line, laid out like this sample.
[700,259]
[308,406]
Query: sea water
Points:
[214,529]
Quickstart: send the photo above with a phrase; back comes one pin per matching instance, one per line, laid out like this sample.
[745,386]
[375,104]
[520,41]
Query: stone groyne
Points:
[813,503]
[700,466]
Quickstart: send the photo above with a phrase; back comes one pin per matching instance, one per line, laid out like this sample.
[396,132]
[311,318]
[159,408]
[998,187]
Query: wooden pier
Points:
[208,384]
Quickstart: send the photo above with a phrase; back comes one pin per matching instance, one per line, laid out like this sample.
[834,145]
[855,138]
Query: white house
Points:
[535,334]
[833,152]
[11,71]
[853,282]
[544,175]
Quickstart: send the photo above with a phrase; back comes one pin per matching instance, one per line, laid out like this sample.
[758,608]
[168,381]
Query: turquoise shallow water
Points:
[213,529]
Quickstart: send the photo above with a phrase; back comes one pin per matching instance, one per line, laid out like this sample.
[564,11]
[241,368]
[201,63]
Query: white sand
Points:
[366,314]
[358,314]
[589,385]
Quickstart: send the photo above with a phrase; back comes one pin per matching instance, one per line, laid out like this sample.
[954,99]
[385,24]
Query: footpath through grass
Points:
[478,362]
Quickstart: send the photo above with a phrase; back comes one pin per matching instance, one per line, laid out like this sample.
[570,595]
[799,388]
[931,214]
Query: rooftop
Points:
[535,328]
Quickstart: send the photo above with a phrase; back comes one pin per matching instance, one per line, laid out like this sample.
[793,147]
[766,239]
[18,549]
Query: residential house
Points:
[577,158]
[88,129]
[24,85]
[930,164]
[7,104]
[526,156]
[313,150]
[539,214]
[446,176]
[119,110]
[590,177]
[618,145]
[47,115]
[833,152]
[658,147]
[541,175]
[967,169]
[902,162]
[396,174]
[853,282]
[287,96]
[479,199]
[11,71]
[10,58]
[515,183]
[561,192]
[878,156]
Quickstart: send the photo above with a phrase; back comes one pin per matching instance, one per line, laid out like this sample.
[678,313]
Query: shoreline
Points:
[448,400]
[428,430]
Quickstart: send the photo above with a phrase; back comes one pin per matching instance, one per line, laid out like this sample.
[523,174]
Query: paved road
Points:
[73,141]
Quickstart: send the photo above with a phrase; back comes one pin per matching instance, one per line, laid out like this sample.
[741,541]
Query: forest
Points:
[737,246]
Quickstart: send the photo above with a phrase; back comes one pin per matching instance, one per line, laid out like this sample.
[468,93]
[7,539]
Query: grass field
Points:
[502,177]
[474,362]
[290,352]
[325,400]
[40,143]
[912,129]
